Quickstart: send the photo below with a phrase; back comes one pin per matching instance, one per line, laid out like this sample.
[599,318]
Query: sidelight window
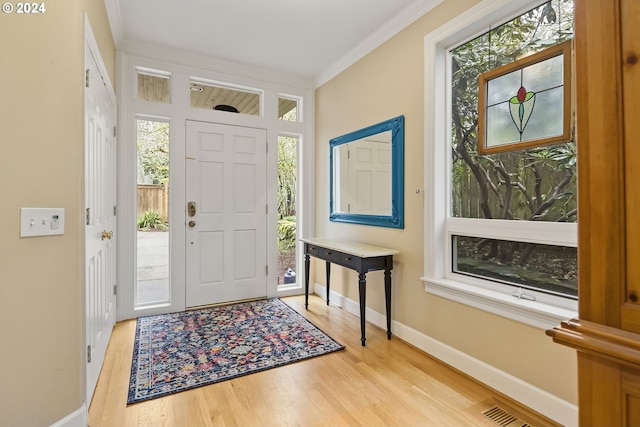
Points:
[287,209]
[152,219]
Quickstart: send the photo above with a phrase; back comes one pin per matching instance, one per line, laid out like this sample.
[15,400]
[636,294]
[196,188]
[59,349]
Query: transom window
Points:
[224,97]
[288,108]
[153,85]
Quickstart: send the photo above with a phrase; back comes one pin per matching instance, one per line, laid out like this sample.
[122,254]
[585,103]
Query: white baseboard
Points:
[77,418]
[529,395]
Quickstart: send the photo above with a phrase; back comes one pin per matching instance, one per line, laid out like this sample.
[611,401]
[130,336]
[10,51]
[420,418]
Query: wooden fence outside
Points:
[153,197]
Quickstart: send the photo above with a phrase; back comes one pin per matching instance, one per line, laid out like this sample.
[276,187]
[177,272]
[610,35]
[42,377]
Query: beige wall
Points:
[384,84]
[41,165]
[41,279]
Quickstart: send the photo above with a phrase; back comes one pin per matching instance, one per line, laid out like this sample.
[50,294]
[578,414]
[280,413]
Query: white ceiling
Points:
[312,39]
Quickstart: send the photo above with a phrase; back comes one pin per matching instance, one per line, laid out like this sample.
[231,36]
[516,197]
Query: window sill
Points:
[538,314]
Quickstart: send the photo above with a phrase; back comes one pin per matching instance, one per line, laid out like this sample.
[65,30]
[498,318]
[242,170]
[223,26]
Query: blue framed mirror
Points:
[367,175]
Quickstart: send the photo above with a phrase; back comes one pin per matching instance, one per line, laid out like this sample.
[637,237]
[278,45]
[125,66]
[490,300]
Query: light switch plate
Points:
[41,222]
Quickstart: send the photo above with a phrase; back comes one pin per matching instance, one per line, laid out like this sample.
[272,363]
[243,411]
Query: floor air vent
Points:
[503,418]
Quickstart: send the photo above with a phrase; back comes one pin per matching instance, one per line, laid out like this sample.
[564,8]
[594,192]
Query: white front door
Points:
[100,213]
[226,217]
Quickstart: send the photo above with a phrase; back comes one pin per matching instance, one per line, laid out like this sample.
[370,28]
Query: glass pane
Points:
[538,184]
[152,282]
[154,86]
[504,87]
[500,126]
[547,119]
[287,189]
[533,184]
[288,109]
[544,75]
[223,98]
[551,269]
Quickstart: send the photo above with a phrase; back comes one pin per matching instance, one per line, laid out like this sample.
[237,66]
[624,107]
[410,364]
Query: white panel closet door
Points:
[100,215]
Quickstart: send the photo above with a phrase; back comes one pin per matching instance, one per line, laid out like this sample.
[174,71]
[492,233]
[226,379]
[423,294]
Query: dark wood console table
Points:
[356,256]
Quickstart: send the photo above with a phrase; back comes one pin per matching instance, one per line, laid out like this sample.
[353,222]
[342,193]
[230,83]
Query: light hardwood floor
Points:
[386,383]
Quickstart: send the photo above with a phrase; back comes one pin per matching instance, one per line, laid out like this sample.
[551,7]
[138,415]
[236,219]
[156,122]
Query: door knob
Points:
[192,223]
[106,235]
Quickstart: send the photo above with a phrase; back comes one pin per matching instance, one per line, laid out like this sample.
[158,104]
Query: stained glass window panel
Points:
[525,103]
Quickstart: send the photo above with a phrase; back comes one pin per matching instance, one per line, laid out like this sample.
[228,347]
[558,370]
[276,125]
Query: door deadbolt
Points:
[192,223]
[191,208]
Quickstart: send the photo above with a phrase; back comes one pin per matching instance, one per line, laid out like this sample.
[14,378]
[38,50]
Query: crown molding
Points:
[195,60]
[393,26]
[115,20]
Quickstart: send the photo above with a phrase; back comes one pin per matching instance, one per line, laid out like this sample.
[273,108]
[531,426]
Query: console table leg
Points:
[362,285]
[387,295]
[328,280]
[307,266]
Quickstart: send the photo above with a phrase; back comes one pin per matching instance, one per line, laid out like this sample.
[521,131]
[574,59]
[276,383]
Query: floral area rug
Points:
[180,351]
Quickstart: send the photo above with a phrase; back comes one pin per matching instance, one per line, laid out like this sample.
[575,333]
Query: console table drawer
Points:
[350,261]
[329,255]
[312,249]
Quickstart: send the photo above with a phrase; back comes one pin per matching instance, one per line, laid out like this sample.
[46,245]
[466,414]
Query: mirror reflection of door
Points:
[363,175]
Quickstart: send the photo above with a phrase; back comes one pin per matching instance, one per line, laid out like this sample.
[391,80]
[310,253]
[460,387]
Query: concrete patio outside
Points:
[153,267]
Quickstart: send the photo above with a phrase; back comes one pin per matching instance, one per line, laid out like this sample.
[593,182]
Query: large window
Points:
[503,222]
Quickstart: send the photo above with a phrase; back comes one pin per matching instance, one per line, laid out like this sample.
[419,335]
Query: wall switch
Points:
[41,222]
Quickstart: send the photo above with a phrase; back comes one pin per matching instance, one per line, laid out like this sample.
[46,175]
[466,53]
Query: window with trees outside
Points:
[511,220]
[152,219]
[287,220]
[287,196]
[536,185]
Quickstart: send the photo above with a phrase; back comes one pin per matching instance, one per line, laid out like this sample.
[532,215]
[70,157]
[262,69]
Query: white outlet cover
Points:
[41,222]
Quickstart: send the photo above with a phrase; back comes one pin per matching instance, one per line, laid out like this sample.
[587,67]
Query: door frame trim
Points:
[178,112]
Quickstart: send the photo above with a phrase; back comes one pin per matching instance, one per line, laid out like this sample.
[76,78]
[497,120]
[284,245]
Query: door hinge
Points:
[115,131]
[86,78]
[88,216]
[267,145]
[89,354]
[266,209]
[115,210]
[266,269]
[115,289]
